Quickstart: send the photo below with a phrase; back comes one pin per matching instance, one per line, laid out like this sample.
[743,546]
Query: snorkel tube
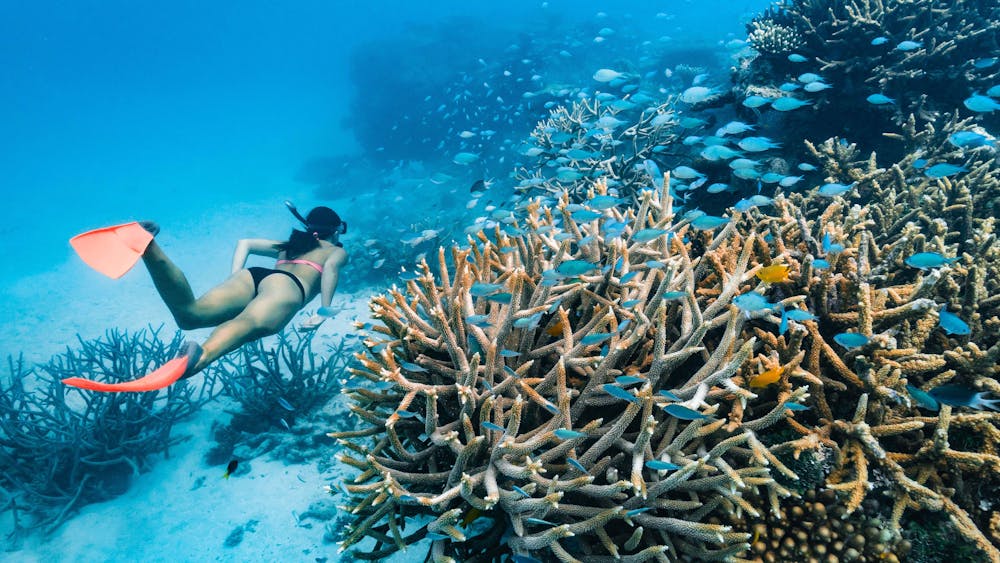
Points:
[295,212]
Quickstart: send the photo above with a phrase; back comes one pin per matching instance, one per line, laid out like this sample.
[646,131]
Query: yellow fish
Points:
[767,378]
[555,330]
[470,516]
[774,273]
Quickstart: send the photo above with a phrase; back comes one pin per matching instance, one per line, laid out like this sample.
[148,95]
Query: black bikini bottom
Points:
[258,274]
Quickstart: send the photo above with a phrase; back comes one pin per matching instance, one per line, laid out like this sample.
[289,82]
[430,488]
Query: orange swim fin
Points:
[112,251]
[167,374]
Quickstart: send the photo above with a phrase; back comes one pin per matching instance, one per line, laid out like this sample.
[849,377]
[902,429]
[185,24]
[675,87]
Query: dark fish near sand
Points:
[230,468]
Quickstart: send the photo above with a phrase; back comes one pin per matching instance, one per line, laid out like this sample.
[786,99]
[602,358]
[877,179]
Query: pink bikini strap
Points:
[304,263]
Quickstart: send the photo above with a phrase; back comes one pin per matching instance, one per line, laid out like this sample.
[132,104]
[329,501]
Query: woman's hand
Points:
[312,323]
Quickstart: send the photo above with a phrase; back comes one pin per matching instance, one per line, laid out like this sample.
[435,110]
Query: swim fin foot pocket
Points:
[167,374]
[113,250]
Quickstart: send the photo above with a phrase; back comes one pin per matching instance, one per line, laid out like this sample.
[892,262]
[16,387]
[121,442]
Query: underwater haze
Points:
[676,280]
[114,109]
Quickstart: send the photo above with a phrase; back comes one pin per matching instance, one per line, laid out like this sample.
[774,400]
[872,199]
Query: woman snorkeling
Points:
[253,303]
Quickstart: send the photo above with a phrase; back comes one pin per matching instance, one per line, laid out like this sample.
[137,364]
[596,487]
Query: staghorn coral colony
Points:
[598,375]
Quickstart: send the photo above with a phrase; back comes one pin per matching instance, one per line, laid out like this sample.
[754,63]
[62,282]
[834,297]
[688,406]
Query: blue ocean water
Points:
[195,114]
[112,109]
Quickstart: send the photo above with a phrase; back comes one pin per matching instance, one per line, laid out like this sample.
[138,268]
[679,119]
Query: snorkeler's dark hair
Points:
[321,223]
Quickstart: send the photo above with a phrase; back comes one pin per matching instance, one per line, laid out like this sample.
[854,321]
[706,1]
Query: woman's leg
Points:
[219,304]
[275,305]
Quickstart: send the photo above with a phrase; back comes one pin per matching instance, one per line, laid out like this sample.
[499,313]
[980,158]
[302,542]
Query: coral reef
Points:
[514,410]
[925,58]
[589,140]
[62,448]
[596,378]
[283,392]
[522,356]
[767,36]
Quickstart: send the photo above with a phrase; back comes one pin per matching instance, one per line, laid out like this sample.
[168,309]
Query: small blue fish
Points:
[834,189]
[602,202]
[406,414]
[797,58]
[480,289]
[478,320]
[595,338]
[831,247]
[576,464]
[551,408]
[943,170]
[669,394]
[655,264]
[629,303]
[521,491]
[505,353]
[756,200]
[980,104]
[927,260]
[799,315]
[529,322]
[752,301]
[657,465]
[575,268]
[820,264]
[708,222]
[496,427]
[619,393]
[909,45]
[674,295]
[285,404]
[538,521]
[806,167]
[986,62]
[637,511]
[952,323]
[880,100]
[410,366]
[962,396]
[796,407]
[850,340]
[757,144]
[566,434]
[920,163]
[628,277]
[880,40]
[680,411]
[963,139]
[923,398]
[629,379]
[789,181]
[646,235]
[755,101]
[789,103]
[585,215]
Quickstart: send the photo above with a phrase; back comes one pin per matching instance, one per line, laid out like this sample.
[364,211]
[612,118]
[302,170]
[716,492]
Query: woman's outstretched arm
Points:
[246,247]
[328,285]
